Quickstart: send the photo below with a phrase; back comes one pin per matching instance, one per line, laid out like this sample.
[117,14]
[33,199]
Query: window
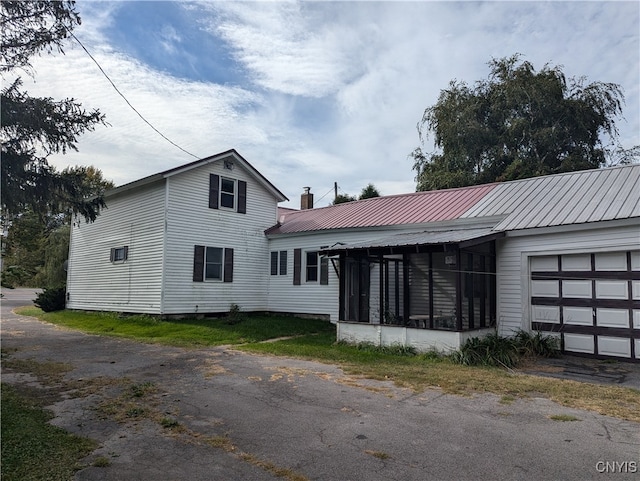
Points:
[227,193]
[279,263]
[312,266]
[119,254]
[212,264]
[316,267]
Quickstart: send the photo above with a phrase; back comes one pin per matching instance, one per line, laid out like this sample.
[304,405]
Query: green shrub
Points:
[537,344]
[235,315]
[51,299]
[495,350]
[492,350]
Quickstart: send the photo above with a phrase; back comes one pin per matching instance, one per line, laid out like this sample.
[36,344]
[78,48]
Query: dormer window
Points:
[227,193]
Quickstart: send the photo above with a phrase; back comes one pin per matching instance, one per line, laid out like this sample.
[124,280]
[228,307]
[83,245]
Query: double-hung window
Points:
[212,264]
[312,267]
[227,193]
[279,263]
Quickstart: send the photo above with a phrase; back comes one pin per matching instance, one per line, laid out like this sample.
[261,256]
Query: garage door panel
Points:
[545,289]
[606,289]
[576,262]
[544,263]
[636,290]
[581,316]
[579,343]
[636,319]
[547,314]
[580,289]
[614,346]
[611,261]
[612,317]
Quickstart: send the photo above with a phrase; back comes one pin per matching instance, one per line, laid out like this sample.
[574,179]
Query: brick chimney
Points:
[306,199]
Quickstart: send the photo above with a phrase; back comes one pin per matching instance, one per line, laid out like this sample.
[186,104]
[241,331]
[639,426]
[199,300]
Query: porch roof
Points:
[462,237]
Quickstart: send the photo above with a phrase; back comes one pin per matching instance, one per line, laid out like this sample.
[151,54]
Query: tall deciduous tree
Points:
[34,128]
[518,123]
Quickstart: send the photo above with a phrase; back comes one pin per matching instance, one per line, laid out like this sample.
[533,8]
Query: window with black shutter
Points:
[227,193]
[212,264]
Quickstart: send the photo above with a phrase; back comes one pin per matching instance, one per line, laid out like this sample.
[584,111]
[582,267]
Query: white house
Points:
[559,254]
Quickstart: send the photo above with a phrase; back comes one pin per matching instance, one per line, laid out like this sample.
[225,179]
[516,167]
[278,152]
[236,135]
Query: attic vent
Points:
[228,164]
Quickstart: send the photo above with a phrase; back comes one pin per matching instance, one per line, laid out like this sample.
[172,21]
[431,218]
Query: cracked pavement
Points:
[254,417]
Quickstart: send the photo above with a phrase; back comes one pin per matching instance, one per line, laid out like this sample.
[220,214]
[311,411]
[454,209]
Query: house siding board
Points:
[190,222]
[95,283]
[512,262]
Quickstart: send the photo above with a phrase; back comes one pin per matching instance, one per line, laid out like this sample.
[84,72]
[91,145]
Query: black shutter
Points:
[297,266]
[228,265]
[283,263]
[112,254]
[324,270]
[242,197]
[274,263]
[126,252]
[198,263]
[214,186]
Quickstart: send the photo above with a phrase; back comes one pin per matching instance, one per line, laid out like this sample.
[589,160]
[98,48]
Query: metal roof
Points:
[553,200]
[563,199]
[403,209]
[454,236]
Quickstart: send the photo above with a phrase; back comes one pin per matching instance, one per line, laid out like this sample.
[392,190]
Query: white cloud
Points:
[332,91]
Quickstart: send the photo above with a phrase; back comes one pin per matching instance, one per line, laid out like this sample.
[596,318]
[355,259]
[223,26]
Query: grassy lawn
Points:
[32,449]
[185,332]
[315,340]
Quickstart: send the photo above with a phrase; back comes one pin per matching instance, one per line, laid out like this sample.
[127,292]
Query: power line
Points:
[125,98]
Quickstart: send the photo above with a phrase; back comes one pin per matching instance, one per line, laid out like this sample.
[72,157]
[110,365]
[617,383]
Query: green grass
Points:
[33,450]
[186,332]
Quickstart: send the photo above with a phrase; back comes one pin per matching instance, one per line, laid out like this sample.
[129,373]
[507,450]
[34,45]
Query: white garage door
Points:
[592,301]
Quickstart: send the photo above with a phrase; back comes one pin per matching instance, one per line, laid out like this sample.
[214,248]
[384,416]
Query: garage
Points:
[591,301]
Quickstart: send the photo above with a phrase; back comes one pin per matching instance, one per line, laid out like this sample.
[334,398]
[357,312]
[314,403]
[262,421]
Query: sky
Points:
[311,93]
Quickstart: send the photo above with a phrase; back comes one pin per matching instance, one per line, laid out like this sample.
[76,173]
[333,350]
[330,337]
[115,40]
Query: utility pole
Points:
[335,192]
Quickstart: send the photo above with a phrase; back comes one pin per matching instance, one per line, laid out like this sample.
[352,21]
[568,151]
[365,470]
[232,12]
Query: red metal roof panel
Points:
[402,209]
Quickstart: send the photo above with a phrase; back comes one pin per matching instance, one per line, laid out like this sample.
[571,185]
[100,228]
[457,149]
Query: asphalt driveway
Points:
[237,416]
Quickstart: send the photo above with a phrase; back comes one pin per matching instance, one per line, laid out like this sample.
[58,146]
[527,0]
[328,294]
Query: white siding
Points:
[514,251]
[311,297]
[191,222]
[93,281]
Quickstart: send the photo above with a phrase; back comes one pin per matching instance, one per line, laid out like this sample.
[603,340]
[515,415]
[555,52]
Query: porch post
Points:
[430,290]
[405,282]
[342,289]
[381,289]
[458,289]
